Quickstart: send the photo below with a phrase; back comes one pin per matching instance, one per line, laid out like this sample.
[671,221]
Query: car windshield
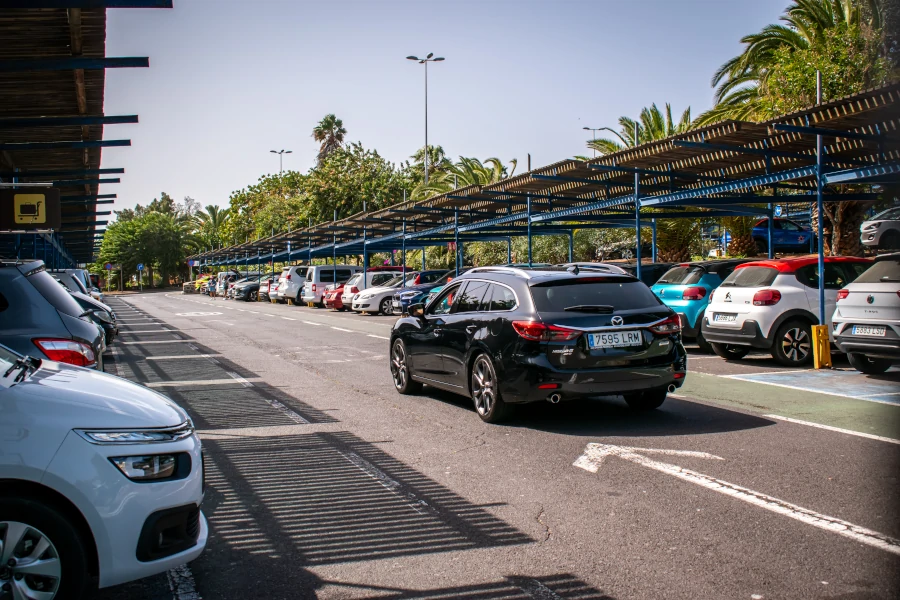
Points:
[751,277]
[884,271]
[610,293]
[891,214]
[682,275]
[392,282]
[7,359]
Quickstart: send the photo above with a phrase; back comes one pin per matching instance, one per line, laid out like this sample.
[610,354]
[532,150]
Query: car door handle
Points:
[437,331]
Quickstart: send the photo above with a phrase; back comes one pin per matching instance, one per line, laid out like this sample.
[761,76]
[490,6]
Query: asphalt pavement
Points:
[323,482]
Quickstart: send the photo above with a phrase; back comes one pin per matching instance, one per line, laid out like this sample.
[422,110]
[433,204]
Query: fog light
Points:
[146,468]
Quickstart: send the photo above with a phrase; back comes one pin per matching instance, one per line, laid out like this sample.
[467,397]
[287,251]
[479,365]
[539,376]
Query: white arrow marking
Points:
[595,453]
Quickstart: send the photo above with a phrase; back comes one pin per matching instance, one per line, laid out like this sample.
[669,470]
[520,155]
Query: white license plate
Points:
[725,317]
[617,339]
[868,330]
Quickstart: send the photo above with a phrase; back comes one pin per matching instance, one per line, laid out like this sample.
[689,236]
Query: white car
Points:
[378,299]
[362,281]
[883,230]
[773,304]
[290,283]
[319,276]
[867,318]
[101,478]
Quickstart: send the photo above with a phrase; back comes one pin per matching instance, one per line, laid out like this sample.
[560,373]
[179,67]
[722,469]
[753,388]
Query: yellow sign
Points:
[30,208]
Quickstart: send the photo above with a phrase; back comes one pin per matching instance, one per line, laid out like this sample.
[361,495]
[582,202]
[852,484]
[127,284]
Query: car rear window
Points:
[55,294]
[681,275]
[556,296]
[884,271]
[751,277]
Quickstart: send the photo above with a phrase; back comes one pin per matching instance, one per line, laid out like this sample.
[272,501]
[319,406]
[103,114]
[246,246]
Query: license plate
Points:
[617,339]
[725,317]
[868,330]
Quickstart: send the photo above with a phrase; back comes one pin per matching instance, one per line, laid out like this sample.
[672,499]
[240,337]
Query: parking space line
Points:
[380,337]
[155,342]
[240,379]
[836,429]
[805,389]
[312,323]
[180,356]
[191,382]
[342,329]
[288,319]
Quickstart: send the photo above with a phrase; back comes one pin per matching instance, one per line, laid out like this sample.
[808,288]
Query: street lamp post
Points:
[281,154]
[594,130]
[425,61]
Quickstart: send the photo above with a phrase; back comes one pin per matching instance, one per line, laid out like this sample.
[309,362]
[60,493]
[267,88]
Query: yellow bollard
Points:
[821,347]
[290,302]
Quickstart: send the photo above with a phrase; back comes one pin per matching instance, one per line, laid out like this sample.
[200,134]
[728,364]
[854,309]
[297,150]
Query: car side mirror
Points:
[417,310]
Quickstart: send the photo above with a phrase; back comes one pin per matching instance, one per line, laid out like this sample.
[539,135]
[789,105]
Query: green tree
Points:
[209,225]
[465,172]
[329,132]
[652,125]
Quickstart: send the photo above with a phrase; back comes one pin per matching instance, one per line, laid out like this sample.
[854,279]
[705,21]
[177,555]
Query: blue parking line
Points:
[844,383]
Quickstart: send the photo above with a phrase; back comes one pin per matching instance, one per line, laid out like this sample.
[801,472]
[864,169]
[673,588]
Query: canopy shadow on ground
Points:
[510,588]
[610,416]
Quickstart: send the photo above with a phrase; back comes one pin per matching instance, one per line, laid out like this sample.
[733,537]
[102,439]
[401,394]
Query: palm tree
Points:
[468,171]
[437,160]
[210,223]
[741,82]
[653,125]
[330,133]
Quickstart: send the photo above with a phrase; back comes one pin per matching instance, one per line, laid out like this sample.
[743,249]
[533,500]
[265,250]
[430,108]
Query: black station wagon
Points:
[508,336]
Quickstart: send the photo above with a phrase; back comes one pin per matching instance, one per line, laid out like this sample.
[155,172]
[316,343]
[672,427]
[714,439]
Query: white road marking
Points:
[181,583]
[197,314]
[288,319]
[345,330]
[312,323]
[155,342]
[180,356]
[803,389]
[594,454]
[190,382]
[148,331]
[241,380]
[837,429]
[380,337]
[420,506]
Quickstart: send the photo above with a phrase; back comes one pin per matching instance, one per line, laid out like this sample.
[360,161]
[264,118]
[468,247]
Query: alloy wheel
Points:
[796,344]
[399,370]
[483,386]
[386,307]
[29,563]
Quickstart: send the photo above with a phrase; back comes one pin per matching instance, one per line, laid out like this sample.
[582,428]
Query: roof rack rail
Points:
[594,267]
[511,270]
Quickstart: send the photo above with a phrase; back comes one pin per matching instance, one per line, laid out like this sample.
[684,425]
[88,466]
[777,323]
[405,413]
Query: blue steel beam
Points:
[89,214]
[22,122]
[654,173]
[87,3]
[851,175]
[71,62]
[61,173]
[575,210]
[87,201]
[72,182]
[766,153]
[63,145]
[88,197]
[731,186]
[836,133]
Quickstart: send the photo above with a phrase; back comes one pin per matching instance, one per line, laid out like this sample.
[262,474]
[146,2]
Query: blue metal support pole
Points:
[571,245]
[456,238]
[509,251]
[637,222]
[334,247]
[820,152]
[528,217]
[365,250]
[403,257]
[771,229]
[423,258]
[461,253]
[653,239]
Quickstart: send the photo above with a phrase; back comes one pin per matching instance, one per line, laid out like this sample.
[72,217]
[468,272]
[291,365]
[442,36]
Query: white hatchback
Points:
[882,231]
[867,318]
[290,283]
[378,299]
[92,466]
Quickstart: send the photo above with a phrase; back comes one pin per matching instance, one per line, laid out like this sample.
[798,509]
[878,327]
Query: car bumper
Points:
[687,329]
[872,346]
[748,335]
[364,305]
[122,514]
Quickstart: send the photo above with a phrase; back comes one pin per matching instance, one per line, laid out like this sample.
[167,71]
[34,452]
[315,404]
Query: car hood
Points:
[78,397]
[378,290]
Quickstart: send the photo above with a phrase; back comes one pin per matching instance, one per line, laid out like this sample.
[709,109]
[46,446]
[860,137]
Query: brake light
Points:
[417,280]
[844,293]
[288,278]
[539,332]
[354,290]
[671,324]
[67,351]
[694,293]
[711,292]
[766,298]
[314,287]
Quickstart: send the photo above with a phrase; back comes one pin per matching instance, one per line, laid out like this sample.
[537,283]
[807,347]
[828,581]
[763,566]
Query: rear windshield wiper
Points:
[600,308]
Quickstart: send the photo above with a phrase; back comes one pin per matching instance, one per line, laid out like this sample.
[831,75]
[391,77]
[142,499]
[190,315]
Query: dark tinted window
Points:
[835,278]
[55,294]
[381,278]
[556,296]
[790,226]
[428,277]
[751,277]
[884,271]
[443,303]
[471,296]
[3,303]
[681,275]
[499,297]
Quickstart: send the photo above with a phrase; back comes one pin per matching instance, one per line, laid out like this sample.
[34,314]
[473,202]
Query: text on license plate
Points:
[616,339]
[726,317]
[868,330]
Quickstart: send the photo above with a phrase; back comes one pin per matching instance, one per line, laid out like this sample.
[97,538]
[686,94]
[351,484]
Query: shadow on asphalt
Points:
[511,588]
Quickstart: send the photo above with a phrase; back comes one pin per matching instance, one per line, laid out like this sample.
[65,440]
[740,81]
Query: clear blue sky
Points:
[230,80]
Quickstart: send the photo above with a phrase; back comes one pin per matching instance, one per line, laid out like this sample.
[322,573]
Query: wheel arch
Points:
[798,314]
[17,488]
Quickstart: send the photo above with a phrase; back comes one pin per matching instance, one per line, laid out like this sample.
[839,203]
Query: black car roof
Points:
[714,266]
[534,276]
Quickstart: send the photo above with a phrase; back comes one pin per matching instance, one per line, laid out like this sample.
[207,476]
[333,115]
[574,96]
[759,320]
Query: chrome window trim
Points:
[491,282]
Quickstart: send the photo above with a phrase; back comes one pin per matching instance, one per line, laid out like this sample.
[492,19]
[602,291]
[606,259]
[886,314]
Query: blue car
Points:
[788,236]
[685,288]
[412,294]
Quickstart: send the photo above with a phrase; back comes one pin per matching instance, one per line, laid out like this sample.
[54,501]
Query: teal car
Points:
[686,289]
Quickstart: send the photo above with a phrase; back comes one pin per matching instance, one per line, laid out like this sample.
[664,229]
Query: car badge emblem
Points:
[617,320]
[871,299]
[728,297]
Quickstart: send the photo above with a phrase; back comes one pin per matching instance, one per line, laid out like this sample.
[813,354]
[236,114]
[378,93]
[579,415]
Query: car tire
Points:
[730,351]
[386,307]
[703,344]
[792,346]
[762,247]
[649,400]
[400,371]
[253,297]
[890,240]
[43,521]
[869,366]
[485,391]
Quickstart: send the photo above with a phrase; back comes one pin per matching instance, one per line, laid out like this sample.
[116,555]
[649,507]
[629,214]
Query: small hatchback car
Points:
[506,336]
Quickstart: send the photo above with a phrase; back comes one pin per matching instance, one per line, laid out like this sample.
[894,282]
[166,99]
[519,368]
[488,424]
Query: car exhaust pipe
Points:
[671,388]
[554,398]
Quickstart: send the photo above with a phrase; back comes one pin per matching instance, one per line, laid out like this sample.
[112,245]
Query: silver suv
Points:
[882,231]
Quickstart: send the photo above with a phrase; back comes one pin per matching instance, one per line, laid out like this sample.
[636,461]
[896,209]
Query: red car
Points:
[333,298]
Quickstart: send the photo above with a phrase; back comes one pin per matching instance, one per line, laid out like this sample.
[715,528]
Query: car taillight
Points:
[694,293]
[417,280]
[354,290]
[670,324]
[711,292]
[67,351]
[539,332]
[314,287]
[844,293]
[766,298]
[288,277]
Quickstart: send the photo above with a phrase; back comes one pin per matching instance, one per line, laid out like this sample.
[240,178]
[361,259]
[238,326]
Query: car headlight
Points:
[146,468]
[138,436]
[103,316]
[409,295]
[365,296]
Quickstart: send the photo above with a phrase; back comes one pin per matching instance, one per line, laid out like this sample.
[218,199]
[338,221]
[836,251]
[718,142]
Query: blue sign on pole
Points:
[778,210]
[108,266]
[726,239]
[140,266]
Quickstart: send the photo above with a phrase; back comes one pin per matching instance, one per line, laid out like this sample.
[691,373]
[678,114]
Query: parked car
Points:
[378,299]
[882,231]
[866,319]
[373,277]
[650,272]
[504,336]
[789,236]
[101,314]
[414,293]
[290,283]
[249,289]
[72,279]
[106,480]
[772,305]
[687,288]
[39,318]
[333,297]
[319,276]
[266,287]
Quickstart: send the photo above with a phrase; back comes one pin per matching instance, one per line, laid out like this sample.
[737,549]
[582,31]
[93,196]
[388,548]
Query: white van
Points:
[318,276]
[290,283]
[372,278]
